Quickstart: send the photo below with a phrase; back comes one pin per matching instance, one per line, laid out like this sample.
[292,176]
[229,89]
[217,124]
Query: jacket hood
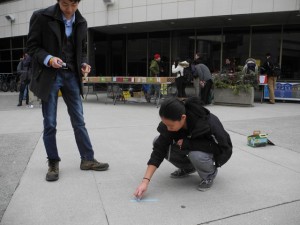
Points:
[194,106]
[184,64]
[195,111]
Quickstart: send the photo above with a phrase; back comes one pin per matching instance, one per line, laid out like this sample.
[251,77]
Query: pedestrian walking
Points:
[24,71]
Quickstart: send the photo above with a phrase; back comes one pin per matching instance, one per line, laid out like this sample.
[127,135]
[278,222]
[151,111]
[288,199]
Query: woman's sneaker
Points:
[205,185]
[182,173]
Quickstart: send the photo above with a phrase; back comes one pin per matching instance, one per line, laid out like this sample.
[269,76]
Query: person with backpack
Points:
[250,67]
[192,139]
[178,68]
[24,71]
[268,67]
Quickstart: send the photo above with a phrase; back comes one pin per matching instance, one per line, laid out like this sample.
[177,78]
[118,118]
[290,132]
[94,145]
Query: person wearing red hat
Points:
[154,72]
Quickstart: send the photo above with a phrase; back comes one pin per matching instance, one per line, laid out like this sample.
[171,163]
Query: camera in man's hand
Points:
[63,65]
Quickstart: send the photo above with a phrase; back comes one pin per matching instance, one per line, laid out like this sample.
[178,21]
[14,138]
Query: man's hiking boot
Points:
[205,185]
[182,173]
[53,170]
[93,165]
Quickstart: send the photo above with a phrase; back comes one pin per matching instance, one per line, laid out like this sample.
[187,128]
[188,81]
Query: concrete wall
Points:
[133,11]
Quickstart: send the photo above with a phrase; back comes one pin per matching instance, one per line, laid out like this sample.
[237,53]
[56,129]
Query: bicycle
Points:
[13,84]
[4,85]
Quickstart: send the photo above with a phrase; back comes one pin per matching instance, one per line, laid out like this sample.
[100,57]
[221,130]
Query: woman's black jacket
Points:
[204,133]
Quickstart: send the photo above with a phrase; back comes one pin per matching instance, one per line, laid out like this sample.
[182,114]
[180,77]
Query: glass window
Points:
[209,46]
[183,44]
[159,43]
[118,52]
[4,43]
[1,1]
[5,67]
[290,63]
[137,54]
[15,66]
[266,39]
[17,54]
[17,42]
[5,55]
[236,45]
[101,49]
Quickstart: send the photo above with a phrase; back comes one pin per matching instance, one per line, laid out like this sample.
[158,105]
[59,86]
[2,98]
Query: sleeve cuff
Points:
[46,60]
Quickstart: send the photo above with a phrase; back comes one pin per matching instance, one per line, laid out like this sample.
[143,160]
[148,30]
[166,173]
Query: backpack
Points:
[250,67]
[276,70]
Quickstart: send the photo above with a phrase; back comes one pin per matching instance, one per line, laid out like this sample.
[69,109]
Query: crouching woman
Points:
[192,139]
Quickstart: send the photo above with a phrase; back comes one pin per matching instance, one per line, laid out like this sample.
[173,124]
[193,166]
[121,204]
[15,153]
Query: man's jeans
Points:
[66,81]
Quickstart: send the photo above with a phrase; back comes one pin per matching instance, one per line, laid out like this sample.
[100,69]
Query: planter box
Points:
[226,97]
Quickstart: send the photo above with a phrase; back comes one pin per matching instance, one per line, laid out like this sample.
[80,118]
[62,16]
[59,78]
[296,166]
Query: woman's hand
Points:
[179,143]
[141,189]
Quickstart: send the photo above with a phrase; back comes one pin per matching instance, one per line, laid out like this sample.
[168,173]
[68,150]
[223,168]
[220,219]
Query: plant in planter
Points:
[235,88]
[238,81]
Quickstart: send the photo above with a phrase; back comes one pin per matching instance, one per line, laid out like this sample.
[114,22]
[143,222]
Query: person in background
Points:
[250,67]
[180,80]
[154,72]
[196,81]
[205,82]
[228,66]
[192,139]
[24,70]
[57,44]
[272,78]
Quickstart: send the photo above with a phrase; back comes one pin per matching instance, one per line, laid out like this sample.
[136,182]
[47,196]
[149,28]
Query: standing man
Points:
[154,72]
[205,82]
[272,78]
[24,70]
[57,44]
[196,81]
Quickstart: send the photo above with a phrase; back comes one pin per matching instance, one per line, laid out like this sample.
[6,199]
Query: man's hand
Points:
[55,62]
[85,69]
[202,83]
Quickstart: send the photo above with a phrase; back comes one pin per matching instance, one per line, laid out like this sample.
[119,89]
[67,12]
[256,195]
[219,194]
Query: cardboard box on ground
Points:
[257,139]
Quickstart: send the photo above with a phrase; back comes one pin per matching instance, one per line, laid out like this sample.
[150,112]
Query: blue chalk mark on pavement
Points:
[144,200]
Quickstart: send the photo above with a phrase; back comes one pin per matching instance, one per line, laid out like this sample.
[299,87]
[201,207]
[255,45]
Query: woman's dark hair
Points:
[172,109]
[72,1]
[177,60]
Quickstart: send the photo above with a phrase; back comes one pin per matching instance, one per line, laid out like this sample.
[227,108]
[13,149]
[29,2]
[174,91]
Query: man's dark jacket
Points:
[204,133]
[45,38]
[268,67]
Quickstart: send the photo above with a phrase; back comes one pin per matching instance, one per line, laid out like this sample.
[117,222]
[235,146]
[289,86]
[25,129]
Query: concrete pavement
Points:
[257,185]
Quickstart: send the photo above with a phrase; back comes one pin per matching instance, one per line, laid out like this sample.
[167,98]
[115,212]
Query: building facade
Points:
[125,34]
